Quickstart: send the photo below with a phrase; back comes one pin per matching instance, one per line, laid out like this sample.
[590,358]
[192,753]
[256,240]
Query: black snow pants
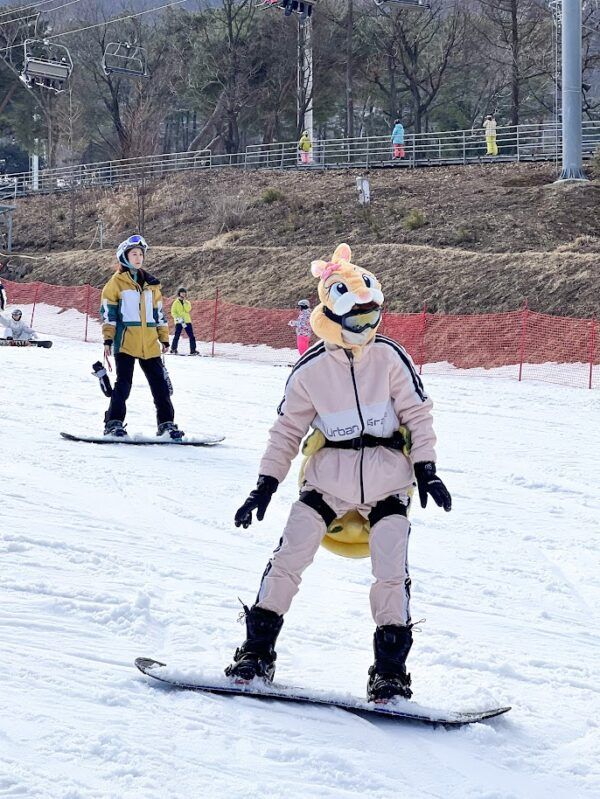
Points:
[187,326]
[153,369]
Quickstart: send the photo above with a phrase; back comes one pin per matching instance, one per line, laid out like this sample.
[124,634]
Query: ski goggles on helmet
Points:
[129,244]
[16,315]
[357,319]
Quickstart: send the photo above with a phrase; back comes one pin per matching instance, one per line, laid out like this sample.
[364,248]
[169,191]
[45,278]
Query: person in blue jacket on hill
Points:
[398,139]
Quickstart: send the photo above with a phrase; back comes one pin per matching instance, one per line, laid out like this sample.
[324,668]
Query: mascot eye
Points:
[367,280]
[337,290]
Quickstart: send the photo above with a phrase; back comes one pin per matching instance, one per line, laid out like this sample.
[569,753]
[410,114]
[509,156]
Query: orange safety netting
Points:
[519,344]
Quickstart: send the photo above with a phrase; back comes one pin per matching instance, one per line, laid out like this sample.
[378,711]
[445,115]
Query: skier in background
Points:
[302,325]
[398,139]
[3,297]
[134,325]
[489,125]
[16,329]
[305,147]
[181,313]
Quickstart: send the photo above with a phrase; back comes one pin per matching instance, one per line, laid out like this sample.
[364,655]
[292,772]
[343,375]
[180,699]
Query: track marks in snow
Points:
[111,553]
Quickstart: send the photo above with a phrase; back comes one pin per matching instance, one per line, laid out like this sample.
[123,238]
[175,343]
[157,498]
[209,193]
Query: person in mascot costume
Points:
[362,396]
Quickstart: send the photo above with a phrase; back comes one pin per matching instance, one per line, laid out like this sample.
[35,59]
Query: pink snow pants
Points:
[302,342]
[390,592]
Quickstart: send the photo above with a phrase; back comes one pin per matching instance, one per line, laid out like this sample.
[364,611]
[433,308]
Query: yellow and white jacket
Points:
[132,315]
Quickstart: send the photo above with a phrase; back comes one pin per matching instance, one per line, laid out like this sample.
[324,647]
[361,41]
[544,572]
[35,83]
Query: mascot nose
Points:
[364,296]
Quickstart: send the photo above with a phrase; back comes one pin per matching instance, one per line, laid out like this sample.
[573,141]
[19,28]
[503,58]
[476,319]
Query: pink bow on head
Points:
[329,270]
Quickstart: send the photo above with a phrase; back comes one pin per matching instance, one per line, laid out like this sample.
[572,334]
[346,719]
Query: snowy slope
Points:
[108,553]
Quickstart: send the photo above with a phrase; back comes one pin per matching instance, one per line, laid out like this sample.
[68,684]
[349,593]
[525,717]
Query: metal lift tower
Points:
[571,91]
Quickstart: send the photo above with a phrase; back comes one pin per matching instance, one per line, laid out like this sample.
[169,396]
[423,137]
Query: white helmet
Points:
[129,244]
[303,304]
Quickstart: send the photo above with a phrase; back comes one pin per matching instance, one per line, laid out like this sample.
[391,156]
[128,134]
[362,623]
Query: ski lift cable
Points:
[37,13]
[34,15]
[28,7]
[118,19]
[102,24]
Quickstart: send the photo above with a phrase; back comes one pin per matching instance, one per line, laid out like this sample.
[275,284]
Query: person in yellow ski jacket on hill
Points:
[181,313]
[305,147]
[134,325]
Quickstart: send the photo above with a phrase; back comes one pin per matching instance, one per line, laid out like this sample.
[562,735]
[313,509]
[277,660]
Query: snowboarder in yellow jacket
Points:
[181,312]
[135,327]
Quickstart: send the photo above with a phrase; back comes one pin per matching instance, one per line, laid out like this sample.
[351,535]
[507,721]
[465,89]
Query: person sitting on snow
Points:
[16,329]
[356,389]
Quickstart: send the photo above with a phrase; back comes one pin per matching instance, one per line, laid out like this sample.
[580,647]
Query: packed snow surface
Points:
[112,552]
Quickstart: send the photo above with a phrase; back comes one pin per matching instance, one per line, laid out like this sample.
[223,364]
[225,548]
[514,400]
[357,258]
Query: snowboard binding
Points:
[256,656]
[388,677]
[171,429]
[116,428]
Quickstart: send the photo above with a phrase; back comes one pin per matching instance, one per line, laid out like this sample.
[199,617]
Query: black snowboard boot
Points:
[387,676]
[115,427]
[256,656]
[171,428]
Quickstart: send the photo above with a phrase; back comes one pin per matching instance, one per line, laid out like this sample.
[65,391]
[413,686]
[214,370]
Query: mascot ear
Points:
[342,253]
[317,268]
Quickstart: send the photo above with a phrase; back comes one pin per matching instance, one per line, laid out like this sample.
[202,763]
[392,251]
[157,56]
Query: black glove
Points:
[429,483]
[258,500]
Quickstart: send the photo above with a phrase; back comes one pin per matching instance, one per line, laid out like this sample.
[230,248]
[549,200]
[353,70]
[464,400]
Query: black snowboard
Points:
[4,342]
[141,440]
[406,710]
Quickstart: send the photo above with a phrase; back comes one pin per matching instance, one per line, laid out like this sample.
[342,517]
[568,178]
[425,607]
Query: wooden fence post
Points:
[422,342]
[87,311]
[524,316]
[214,330]
[592,349]
[35,296]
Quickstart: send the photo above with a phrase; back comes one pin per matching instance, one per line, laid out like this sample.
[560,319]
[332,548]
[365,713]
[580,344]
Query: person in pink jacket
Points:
[357,388]
[302,325]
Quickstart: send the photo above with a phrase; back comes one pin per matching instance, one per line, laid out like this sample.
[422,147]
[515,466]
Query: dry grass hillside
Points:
[462,240]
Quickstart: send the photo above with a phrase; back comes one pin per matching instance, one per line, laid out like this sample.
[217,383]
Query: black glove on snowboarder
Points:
[429,483]
[258,500]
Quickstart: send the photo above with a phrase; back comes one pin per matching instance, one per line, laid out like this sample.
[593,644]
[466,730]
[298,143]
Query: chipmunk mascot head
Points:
[351,302]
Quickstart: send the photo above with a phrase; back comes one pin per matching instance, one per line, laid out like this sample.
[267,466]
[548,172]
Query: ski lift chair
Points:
[301,7]
[414,4]
[46,64]
[123,58]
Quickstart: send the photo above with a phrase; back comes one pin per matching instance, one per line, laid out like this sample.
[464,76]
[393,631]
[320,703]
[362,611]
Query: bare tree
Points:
[517,39]
[411,55]
[223,72]
[136,107]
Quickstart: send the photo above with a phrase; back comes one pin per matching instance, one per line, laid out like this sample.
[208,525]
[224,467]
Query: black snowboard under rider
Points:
[153,369]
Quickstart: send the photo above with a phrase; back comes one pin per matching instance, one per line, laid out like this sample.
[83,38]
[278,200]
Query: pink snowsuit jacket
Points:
[344,398]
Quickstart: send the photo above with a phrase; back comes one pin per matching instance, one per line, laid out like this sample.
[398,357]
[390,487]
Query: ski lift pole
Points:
[571,91]
[305,79]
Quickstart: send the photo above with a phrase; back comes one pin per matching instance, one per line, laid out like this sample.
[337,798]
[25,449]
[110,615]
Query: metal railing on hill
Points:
[515,143]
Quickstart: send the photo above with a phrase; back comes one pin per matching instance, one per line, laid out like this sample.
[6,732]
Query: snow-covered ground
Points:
[112,552]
